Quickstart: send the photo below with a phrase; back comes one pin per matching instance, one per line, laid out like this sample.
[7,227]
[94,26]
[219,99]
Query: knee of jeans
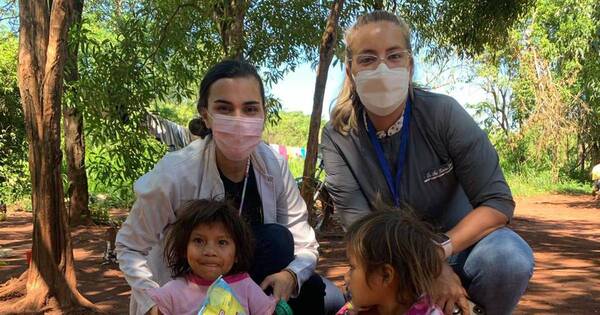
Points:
[278,236]
[502,253]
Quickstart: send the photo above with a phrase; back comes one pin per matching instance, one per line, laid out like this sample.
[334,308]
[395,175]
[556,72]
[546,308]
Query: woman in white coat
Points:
[232,162]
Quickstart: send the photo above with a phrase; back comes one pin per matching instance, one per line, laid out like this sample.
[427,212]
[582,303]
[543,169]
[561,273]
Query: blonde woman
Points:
[389,142]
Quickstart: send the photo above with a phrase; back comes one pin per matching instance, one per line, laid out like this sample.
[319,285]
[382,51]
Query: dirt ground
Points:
[564,232]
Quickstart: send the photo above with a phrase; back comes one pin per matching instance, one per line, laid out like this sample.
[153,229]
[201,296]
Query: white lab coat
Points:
[191,173]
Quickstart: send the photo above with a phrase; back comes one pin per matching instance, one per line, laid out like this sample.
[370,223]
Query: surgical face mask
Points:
[382,90]
[236,137]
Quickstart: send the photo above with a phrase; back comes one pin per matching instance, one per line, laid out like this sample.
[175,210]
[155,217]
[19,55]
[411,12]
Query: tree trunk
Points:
[326,50]
[79,212]
[74,140]
[378,5]
[50,280]
[229,18]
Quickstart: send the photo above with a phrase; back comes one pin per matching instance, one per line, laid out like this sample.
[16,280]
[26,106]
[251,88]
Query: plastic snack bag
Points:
[221,300]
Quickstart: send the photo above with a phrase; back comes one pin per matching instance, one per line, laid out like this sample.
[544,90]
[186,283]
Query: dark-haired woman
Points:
[229,160]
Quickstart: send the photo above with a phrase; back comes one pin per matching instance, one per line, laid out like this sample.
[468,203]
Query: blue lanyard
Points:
[393,185]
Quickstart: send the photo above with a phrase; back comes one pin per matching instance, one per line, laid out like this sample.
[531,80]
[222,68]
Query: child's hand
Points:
[283,285]
[449,291]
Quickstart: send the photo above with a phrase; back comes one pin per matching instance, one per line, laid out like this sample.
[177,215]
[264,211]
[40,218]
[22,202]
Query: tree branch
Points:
[162,36]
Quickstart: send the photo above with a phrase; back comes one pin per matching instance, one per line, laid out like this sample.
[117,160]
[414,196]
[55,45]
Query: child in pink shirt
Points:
[208,240]
[393,265]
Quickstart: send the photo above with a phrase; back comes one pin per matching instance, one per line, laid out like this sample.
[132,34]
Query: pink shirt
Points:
[422,307]
[185,295]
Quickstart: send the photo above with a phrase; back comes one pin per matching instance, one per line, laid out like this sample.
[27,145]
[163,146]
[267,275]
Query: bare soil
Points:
[563,230]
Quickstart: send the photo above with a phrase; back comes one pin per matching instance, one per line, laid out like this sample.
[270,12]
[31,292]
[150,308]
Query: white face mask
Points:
[382,90]
[236,137]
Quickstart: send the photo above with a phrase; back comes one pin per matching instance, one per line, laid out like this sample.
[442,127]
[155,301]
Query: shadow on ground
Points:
[564,232]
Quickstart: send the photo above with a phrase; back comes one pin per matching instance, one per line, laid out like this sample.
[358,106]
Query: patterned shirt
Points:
[394,129]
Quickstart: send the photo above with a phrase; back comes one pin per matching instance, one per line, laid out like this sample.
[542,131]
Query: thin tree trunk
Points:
[229,17]
[79,212]
[74,139]
[50,279]
[326,50]
[378,5]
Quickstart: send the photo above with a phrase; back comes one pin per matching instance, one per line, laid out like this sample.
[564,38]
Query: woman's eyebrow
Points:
[223,101]
[395,48]
[367,51]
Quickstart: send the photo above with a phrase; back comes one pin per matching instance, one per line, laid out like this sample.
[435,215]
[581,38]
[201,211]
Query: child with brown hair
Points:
[393,264]
[208,240]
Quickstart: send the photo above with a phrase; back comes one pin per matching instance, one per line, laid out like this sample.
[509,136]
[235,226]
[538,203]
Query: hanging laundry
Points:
[283,151]
[171,134]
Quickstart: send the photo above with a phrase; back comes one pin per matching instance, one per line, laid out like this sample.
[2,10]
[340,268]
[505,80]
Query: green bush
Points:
[14,171]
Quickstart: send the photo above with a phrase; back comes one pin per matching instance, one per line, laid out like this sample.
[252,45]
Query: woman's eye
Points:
[366,59]
[222,108]
[396,56]
[251,109]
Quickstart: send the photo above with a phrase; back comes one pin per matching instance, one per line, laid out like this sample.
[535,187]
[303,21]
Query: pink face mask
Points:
[236,137]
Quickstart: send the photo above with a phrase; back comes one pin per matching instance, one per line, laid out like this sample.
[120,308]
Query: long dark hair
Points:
[397,238]
[207,211]
[224,69]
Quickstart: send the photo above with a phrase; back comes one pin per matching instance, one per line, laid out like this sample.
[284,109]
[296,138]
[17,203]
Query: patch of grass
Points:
[100,205]
[535,184]
[23,204]
[296,166]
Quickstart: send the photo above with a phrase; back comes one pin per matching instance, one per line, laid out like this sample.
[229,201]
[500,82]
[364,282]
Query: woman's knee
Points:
[274,238]
[502,253]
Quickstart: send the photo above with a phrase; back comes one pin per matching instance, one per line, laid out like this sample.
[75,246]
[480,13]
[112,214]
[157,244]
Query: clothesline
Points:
[287,151]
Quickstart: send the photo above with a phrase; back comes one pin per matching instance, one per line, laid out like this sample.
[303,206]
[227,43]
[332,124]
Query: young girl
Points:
[208,240]
[393,264]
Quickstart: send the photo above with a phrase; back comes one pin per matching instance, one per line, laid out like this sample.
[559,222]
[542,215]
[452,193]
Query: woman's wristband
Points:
[444,241]
[294,277]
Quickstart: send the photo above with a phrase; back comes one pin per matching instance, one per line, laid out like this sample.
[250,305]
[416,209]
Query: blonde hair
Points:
[397,238]
[343,115]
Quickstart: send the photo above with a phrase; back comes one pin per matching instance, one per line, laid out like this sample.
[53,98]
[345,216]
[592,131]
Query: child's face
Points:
[356,279]
[210,251]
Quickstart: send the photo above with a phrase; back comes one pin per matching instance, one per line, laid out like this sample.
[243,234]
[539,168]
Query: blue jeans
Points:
[274,251]
[496,270]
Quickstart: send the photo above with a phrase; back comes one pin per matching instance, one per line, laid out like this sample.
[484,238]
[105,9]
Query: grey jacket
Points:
[451,166]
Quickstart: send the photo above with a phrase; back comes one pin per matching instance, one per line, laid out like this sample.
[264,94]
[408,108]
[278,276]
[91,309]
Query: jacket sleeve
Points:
[305,242]
[349,200]
[151,213]
[476,162]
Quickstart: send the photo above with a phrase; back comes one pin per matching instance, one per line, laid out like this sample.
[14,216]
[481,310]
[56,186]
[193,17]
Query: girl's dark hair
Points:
[224,69]
[206,211]
[397,238]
